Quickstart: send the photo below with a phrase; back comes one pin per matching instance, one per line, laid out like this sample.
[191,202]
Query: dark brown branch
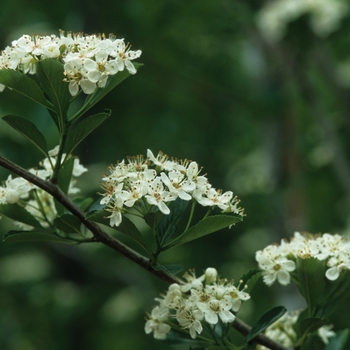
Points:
[103,237]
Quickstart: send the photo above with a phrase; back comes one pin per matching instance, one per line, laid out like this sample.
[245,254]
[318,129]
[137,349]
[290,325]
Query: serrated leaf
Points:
[27,129]
[339,341]
[311,281]
[127,226]
[112,82]
[34,236]
[49,73]
[68,223]
[83,129]
[18,213]
[24,85]
[265,321]
[204,227]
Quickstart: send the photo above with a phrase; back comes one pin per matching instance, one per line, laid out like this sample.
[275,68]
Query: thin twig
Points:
[102,237]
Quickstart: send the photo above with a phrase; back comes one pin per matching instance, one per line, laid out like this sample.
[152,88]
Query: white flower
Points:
[190,319]
[215,198]
[213,309]
[326,332]
[178,184]
[158,196]
[274,265]
[14,190]
[156,322]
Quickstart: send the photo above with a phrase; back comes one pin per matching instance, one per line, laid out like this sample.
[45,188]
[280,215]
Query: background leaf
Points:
[28,130]
[339,341]
[24,85]
[18,213]
[34,236]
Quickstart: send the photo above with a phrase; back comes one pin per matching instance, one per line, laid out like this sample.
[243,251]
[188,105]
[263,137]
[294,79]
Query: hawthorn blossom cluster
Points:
[157,181]
[325,16]
[88,60]
[282,331]
[35,200]
[278,261]
[203,299]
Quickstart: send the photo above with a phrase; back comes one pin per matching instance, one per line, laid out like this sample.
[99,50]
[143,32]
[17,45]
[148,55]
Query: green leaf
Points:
[49,73]
[112,82]
[204,227]
[18,213]
[34,236]
[24,85]
[127,226]
[68,223]
[339,341]
[27,129]
[153,219]
[311,281]
[249,279]
[265,321]
[83,129]
[169,223]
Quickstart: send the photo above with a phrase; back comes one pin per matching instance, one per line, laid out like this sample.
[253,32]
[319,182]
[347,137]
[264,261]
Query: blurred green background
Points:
[266,117]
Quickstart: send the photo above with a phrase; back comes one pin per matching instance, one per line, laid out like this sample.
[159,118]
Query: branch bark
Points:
[101,236]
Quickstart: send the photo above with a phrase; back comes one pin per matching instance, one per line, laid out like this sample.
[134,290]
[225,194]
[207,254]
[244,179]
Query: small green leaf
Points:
[172,269]
[249,279]
[65,174]
[68,223]
[153,219]
[49,73]
[204,227]
[339,341]
[169,223]
[18,213]
[83,129]
[23,84]
[265,321]
[64,179]
[27,129]
[83,203]
[127,226]
[34,236]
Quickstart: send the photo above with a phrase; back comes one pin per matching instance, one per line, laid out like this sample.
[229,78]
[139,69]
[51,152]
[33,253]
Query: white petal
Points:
[332,274]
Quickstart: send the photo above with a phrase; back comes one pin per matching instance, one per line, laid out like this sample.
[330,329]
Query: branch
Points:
[102,237]
[99,234]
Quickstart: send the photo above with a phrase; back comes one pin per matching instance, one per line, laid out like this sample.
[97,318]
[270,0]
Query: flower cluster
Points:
[203,299]
[325,16]
[35,200]
[282,331]
[157,181]
[277,261]
[88,59]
